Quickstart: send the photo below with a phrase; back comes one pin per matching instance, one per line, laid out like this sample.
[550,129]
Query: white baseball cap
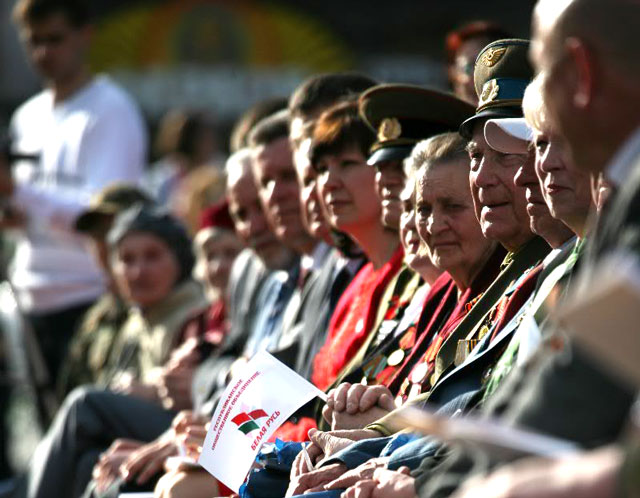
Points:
[508,135]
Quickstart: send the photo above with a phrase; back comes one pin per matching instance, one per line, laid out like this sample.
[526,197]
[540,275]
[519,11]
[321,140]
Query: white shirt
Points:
[623,161]
[86,142]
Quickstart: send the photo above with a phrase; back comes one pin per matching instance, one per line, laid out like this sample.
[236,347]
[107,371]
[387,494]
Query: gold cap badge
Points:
[389,129]
[492,56]
[489,92]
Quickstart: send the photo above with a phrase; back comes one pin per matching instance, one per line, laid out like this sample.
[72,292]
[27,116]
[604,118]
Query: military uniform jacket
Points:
[529,255]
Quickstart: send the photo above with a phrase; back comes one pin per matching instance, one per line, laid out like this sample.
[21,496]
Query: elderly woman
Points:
[446,224]
[152,266]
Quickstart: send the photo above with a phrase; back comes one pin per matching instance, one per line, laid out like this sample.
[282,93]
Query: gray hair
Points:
[533,106]
[237,166]
[440,148]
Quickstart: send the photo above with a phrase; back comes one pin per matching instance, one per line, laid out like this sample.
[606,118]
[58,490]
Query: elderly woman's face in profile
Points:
[144,268]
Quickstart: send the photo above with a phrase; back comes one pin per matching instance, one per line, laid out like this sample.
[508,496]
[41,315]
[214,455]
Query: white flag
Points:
[254,405]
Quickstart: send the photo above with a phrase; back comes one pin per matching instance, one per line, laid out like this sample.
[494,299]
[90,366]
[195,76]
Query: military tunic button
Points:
[395,358]
[360,326]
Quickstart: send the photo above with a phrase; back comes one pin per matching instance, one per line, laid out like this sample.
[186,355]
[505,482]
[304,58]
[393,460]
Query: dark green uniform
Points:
[91,346]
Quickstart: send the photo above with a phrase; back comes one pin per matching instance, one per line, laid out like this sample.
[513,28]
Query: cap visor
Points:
[509,136]
[389,154]
[90,219]
[466,128]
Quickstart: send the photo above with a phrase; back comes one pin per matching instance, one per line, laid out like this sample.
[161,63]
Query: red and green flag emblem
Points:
[246,421]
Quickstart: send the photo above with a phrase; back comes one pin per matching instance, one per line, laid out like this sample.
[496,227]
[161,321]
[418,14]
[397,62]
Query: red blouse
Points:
[353,319]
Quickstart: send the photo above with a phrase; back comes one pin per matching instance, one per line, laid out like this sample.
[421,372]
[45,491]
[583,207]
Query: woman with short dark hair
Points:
[340,145]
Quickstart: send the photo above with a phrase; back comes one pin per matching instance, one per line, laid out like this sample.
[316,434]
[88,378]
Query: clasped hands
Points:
[349,408]
[354,406]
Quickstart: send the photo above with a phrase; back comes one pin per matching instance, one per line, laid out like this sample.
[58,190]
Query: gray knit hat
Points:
[156,221]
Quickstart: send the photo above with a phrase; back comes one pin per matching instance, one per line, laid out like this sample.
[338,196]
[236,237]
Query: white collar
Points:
[622,163]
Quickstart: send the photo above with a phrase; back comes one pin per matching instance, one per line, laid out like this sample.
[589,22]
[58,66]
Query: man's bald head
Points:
[606,25]
[589,64]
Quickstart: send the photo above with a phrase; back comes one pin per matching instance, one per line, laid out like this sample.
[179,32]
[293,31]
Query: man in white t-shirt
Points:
[86,133]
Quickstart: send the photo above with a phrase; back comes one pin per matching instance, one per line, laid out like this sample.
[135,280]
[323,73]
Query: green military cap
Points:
[501,75]
[402,115]
[108,202]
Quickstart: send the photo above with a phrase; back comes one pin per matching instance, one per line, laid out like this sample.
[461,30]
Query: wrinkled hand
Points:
[353,406]
[354,398]
[360,473]
[345,421]
[300,467]
[329,442]
[106,470]
[148,460]
[325,444]
[315,480]
[385,483]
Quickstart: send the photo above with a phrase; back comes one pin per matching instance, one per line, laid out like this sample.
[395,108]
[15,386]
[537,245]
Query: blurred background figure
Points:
[152,265]
[462,48]
[216,247]
[239,134]
[89,358]
[185,141]
[197,190]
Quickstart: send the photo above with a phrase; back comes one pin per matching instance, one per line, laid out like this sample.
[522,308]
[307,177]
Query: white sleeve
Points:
[112,148]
